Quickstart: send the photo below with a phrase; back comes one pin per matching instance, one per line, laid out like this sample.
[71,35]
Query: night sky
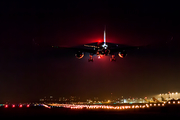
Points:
[28,72]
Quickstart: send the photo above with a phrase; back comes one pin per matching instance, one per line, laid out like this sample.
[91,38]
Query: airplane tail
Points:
[104,45]
[105,35]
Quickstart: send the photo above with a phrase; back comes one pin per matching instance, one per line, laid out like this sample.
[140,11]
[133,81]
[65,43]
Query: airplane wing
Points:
[77,49]
[120,47]
[80,50]
[83,48]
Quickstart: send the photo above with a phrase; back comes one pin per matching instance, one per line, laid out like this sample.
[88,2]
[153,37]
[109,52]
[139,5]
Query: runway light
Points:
[20,106]
[13,106]
[6,106]
[27,105]
[137,106]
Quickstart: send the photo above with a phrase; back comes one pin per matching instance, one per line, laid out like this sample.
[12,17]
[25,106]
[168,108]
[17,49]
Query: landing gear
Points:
[113,58]
[90,59]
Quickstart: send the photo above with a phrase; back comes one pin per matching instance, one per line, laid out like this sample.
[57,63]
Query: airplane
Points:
[102,49]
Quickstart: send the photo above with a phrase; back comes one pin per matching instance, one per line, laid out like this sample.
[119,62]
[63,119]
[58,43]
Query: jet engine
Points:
[79,55]
[122,54]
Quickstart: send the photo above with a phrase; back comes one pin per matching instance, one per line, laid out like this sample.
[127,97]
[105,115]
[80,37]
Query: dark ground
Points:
[62,113]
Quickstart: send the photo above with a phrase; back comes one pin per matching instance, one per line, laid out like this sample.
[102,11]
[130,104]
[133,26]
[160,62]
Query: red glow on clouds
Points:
[72,43]
[99,41]
[79,42]
[87,39]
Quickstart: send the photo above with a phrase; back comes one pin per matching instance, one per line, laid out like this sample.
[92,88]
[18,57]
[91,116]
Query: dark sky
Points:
[29,73]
